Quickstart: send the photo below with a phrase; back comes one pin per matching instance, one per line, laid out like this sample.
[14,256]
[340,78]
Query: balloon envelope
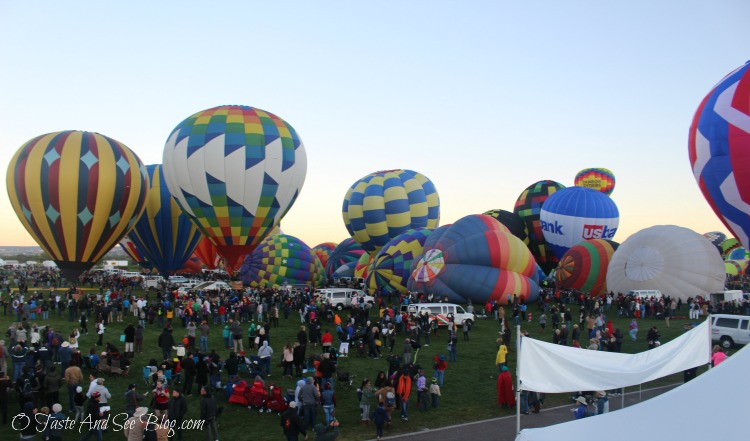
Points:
[282,259]
[391,267]
[511,221]
[675,260]
[129,247]
[164,234]
[729,245]
[362,267]
[476,259]
[236,171]
[324,250]
[384,204]
[599,179]
[584,266]
[348,251]
[528,207]
[78,194]
[719,151]
[574,214]
[206,252]
[716,238]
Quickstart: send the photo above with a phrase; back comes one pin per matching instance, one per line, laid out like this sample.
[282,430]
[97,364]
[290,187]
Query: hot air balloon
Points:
[391,267]
[384,204]
[512,221]
[323,250]
[719,150]
[584,266]
[236,171]
[476,259]
[192,266]
[528,207]
[348,251]
[674,260]
[739,253]
[728,246]
[735,267]
[716,238]
[362,267]
[164,234]
[599,179]
[129,247]
[282,259]
[206,252]
[574,214]
[78,194]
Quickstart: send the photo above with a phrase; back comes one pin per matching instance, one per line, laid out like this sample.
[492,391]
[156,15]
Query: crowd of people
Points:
[46,361]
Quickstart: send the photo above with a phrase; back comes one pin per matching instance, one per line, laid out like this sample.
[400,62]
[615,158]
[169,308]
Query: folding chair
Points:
[147,375]
[168,376]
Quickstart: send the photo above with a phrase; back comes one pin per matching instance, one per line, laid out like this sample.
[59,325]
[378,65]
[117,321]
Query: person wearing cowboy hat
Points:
[581,411]
[133,427]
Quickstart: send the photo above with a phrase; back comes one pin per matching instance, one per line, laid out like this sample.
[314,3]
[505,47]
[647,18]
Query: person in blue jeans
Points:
[452,341]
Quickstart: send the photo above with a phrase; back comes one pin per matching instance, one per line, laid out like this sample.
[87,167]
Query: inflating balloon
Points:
[164,234]
[574,214]
[735,267]
[476,259]
[129,247]
[78,194]
[391,267]
[674,260]
[282,259]
[584,266]
[719,150]
[739,253]
[236,171]
[528,207]
[323,251]
[206,252]
[512,221]
[716,238]
[599,179]
[362,267]
[728,246]
[384,204]
[348,251]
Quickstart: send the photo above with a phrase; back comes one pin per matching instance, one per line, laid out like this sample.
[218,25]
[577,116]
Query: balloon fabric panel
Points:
[599,179]
[282,259]
[348,251]
[391,267]
[528,207]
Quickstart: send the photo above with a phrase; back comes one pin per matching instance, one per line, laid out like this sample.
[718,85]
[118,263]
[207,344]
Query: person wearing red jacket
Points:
[505,395]
[440,366]
[403,389]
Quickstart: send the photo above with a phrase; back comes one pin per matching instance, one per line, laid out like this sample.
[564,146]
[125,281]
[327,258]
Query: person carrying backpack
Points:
[387,398]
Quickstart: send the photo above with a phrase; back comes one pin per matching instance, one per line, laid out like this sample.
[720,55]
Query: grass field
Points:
[469,392]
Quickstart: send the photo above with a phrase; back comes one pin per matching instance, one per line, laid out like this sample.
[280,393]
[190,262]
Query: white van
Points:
[341,298]
[440,311]
[645,294]
[730,330]
[177,280]
[152,282]
[130,274]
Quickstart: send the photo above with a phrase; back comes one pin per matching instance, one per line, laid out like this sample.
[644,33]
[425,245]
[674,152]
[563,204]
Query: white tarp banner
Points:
[546,367]
[674,415]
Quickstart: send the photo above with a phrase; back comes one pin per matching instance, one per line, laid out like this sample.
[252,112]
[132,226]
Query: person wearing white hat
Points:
[581,411]
[133,427]
[54,431]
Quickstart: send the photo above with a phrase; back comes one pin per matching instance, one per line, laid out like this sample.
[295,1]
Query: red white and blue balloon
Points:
[719,149]
[574,214]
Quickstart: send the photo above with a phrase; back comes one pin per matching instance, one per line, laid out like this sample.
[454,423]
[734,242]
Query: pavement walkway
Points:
[504,428]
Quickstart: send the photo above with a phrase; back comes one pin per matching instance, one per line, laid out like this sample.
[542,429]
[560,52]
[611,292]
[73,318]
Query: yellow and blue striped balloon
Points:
[382,205]
[164,234]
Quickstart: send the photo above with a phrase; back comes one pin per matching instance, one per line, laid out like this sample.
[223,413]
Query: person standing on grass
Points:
[505,395]
[292,424]
[380,418]
[502,354]
[403,388]
[208,411]
[452,342]
[366,393]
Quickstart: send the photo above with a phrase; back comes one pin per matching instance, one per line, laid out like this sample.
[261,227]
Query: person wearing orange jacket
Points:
[403,389]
